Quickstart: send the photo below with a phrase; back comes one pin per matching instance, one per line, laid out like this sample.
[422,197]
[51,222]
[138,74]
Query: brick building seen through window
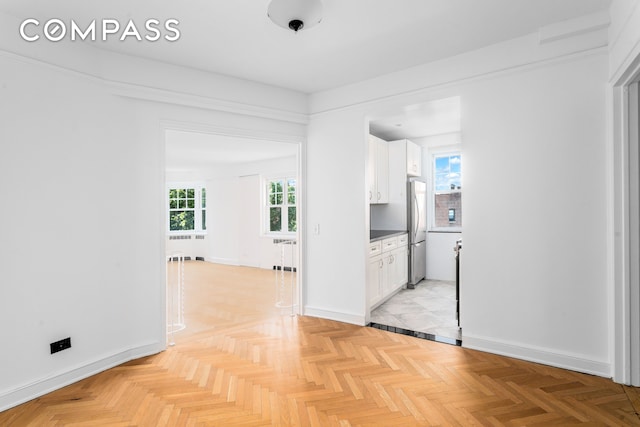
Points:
[447,190]
[444,204]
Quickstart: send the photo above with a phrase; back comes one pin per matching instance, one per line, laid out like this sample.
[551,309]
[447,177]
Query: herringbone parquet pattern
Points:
[272,370]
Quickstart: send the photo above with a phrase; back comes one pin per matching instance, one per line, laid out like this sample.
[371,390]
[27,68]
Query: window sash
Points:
[280,207]
[446,170]
[188,198]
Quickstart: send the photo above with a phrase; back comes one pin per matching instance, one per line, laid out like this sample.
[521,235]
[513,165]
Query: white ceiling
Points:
[194,150]
[414,121]
[356,40]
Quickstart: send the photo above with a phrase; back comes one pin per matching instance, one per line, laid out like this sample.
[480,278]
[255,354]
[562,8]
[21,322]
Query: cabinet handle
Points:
[379,195]
[370,195]
[381,264]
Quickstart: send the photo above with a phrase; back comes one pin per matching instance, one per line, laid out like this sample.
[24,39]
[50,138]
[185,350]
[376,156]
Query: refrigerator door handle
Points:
[416,219]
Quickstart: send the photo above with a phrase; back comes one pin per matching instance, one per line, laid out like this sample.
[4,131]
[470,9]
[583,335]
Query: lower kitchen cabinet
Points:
[388,268]
[375,282]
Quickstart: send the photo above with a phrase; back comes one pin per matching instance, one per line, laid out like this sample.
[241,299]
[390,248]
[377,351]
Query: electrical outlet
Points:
[60,345]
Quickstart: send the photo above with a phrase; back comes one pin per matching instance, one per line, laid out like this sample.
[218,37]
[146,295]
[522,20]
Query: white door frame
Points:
[625,223]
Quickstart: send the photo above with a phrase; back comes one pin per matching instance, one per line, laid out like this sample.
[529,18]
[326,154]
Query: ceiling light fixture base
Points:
[295,14]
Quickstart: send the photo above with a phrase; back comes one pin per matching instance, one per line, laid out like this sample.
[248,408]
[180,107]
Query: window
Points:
[280,209]
[447,190]
[187,207]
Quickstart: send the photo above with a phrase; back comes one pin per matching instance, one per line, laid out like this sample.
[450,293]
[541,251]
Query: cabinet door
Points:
[372,189]
[400,267]
[388,273]
[374,277]
[414,159]
[382,172]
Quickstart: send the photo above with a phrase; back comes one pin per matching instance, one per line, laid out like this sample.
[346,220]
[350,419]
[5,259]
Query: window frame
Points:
[198,209]
[266,216]
[444,151]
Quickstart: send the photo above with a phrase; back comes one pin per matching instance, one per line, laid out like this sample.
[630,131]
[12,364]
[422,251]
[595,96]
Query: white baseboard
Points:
[354,319]
[46,385]
[538,355]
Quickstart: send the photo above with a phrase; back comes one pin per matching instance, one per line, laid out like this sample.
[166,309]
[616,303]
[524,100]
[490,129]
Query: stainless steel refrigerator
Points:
[417,224]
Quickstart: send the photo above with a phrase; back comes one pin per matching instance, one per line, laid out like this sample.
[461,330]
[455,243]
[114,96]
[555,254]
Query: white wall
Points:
[225,216]
[534,281]
[82,253]
[81,235]
[535,277]
[337,204]
[441,262]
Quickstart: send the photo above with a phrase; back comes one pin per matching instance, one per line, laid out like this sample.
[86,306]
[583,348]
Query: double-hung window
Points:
[187,207]
[447,191]
[280,211]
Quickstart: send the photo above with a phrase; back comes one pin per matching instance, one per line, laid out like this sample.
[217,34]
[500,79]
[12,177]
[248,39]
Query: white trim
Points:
[354,319]
[538,355]
[145,93]
[180,125]
[574,27]
[620,51]
[139,92]
[56,381]
[634,232]
[426,89]
[301,277]
[620,240]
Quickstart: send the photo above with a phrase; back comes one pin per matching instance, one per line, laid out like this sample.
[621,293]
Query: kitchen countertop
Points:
[376,235]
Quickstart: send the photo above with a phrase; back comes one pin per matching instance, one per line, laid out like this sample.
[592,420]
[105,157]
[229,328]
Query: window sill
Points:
[186,233]
[281,236]
[445,230]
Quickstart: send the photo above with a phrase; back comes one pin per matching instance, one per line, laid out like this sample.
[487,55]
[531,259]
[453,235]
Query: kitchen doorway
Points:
[233,219]
[421,143]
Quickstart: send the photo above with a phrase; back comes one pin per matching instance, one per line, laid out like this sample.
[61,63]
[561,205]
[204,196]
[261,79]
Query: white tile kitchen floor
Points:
[429,308]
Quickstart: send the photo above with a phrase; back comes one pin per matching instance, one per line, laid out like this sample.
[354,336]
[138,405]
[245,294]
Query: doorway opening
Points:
[232,235]
[626,226]
[415,174]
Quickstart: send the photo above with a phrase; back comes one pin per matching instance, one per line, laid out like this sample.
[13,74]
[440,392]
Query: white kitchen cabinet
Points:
[410,154]
[378,170]
[388,268]
[375,285]
[414,159]
[399,273]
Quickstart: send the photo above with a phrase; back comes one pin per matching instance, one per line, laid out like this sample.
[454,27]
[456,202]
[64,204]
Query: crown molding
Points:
[161,95]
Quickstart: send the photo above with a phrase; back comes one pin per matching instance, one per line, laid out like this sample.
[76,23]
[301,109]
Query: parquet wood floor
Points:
[242,363]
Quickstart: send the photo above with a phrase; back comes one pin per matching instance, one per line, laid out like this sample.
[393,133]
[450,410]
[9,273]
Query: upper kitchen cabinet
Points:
[378,190]
[413,155]
[414,159]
